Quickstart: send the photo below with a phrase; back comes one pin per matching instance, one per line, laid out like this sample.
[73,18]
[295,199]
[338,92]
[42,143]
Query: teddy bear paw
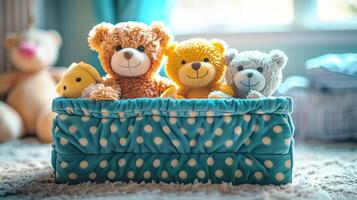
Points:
[254,95]
[170,93]
[218,95]
[102,92]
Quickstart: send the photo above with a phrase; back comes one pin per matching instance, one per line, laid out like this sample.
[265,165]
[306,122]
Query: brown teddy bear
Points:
[29,90]
[197,67]
[131,55]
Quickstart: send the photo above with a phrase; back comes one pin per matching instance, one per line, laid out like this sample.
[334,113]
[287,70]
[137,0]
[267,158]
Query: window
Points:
[222,16]
[218,15]
[337,10]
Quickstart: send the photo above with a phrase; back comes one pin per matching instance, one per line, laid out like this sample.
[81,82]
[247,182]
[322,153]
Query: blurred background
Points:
[302,28]
[319,37]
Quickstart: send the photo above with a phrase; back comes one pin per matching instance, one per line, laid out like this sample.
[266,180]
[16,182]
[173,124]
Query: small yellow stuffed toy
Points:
[197,67]
[76,79]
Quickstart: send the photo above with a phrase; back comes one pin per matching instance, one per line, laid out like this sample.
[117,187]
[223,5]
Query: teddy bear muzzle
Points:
[249,79]
[130,62]
[197,74]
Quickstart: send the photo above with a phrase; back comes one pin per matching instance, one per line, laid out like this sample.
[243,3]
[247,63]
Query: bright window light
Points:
[230,15]
[337,10]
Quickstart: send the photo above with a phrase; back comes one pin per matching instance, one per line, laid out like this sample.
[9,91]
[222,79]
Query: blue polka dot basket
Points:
[174,141]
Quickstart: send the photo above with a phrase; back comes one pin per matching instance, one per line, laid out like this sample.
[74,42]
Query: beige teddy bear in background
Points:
[29,91]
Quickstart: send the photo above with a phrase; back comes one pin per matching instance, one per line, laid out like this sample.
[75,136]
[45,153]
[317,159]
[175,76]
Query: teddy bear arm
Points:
[182,93]
[255,95]
[172,92]
[169,93]
[109,81]
[223,87]
[108,90]
[7,81]
[163,84]
[105,93]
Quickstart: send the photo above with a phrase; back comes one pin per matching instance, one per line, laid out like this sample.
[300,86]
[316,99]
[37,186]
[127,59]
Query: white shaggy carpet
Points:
[326,171]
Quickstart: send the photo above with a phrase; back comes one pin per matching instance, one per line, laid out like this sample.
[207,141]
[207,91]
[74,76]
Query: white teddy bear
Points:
[253,74]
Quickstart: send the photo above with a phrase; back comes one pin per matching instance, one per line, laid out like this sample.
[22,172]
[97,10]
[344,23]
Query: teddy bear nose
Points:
[128,55]
[27,49]
[196,65]
[250,75]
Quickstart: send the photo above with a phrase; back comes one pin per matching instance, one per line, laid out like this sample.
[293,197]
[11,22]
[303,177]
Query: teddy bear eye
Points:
[118,48]
[78,79]
[183,62]
[260,69]
[140,48]
[206,60]
[240,68]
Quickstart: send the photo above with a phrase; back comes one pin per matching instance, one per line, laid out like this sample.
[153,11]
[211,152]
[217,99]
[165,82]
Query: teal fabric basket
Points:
[174,141]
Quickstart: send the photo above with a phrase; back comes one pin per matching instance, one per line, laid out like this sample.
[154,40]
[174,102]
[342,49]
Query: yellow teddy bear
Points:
[197,67]
[77,78]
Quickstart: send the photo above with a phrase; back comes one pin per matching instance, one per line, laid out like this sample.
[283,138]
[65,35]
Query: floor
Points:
[322,171]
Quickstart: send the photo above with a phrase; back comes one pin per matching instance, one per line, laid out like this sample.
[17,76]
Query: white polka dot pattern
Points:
[191,120]
[258,175]
[147,174]
[268,164]
[218,132]
[279,176]
[156,163]
[201,174]
[148,128]
[164,174]
[238,173]
[191,162]
[103,164]
[218,173]
[183,175]
[206,145]
[139,162]
[121,162]
[111,174]
[158,140]
[63,141]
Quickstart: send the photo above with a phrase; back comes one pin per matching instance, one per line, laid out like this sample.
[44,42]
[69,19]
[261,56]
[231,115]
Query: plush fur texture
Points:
[254,74]
[31,88]
[197,67]
[131,55]
[100,91]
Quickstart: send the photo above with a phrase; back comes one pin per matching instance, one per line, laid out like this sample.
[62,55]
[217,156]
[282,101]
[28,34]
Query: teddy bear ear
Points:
[279,58]
[161,33]
[56,36]
[230,55]
[10,40]
[97,35]
[171,48]
[91,70]
[219,44]
[58,89]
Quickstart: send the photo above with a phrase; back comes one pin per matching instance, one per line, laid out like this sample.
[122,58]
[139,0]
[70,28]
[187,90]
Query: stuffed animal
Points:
[30,90]
[77,78]
[254,74]
[131,55]
[197,67]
